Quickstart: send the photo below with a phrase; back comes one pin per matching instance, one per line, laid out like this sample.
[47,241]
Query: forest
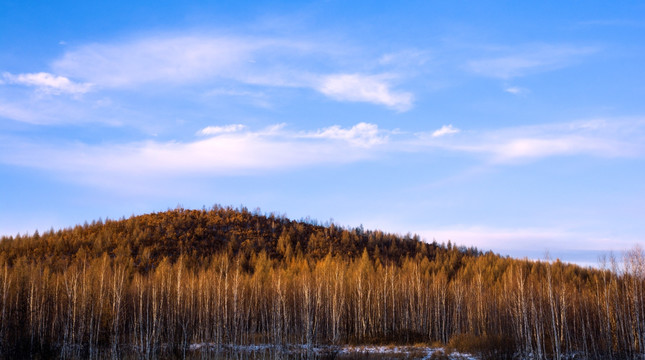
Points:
[155,284]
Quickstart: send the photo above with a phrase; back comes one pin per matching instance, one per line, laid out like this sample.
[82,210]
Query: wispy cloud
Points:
[512,62]
[445,130]
[364,88]
[617,138]
[515,90]
[48,83]
[170,59]
[361,134]
[11,111]
[407,58]
[529,143]
[181,60]
[170,65]
[46,110]
[234,149]
[216,130]
[534,148]
[229,150]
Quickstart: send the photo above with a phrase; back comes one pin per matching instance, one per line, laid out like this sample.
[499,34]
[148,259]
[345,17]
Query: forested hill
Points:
[155,284]
[199,234]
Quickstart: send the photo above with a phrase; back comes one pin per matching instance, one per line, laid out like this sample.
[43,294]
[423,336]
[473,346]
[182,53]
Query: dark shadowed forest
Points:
[155,284]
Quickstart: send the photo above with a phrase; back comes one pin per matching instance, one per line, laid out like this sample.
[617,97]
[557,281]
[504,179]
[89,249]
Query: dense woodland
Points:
[154,284]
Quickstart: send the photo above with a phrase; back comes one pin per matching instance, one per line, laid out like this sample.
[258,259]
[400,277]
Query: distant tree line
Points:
[156,283]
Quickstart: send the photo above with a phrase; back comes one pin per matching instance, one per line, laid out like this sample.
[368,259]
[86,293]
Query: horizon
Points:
[514,128]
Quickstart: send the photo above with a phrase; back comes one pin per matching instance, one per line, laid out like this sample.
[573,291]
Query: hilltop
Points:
[200,234]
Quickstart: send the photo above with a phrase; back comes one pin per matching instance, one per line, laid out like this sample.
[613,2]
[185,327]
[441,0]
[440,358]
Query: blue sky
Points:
[517,127]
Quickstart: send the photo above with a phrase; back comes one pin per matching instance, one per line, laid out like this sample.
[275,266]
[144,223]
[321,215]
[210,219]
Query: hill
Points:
[200,234]
[155,284]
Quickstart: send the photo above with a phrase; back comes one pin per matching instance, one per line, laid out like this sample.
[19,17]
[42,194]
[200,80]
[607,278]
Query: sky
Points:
[517,127]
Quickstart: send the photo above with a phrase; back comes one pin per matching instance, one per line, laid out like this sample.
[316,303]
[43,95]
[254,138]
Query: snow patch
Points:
[409,352]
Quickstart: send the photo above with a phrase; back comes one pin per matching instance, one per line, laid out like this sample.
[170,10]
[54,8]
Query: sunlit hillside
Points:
[157,283]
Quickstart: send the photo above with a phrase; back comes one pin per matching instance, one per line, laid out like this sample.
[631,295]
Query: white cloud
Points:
[515,90]
[621,138]
[594,124]
[171,59]
[234,149]
[445,130]
[524,148]
[575,138]
[530,59]
[13,112]
[364,88]
[41,111]
[48,83]
[216,130]
[189,59]
[361,134]
[229,150]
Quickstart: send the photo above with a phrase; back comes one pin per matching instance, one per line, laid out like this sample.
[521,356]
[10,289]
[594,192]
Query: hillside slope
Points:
[154,284]
[199,234]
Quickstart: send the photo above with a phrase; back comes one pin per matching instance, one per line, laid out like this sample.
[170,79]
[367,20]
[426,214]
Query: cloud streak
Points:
[182,60]
[532,59]
[362,134]
[516,90]
[228,150]
[236,150]
[445,130]
[47,83]
[598,138]
[170,59]
[364,88]
[216,130]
